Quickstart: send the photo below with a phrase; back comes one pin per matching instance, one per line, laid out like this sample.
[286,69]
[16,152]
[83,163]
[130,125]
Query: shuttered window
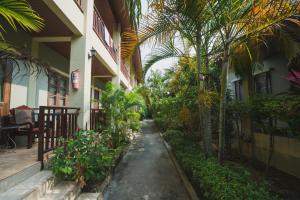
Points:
[262,83]
[238,89]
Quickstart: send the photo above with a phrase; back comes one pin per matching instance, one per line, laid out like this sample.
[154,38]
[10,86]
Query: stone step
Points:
[90,196]
[63,191]
[11,181]
[31,189]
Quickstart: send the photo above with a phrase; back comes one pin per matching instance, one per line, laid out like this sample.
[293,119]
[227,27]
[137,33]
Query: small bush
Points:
[216,181]
[84,159]
[134,120]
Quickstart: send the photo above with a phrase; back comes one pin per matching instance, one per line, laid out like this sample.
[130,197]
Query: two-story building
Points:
[81,37]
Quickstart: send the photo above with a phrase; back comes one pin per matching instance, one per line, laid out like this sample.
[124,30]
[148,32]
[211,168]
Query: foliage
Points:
[85,159]
[89,156]
[134,120]
[174,97]
[135,11]
[19,14]
[262,109]
[214,180]
[121,111]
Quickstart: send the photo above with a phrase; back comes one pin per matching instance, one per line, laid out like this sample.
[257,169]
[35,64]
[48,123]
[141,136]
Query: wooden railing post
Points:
[41,119]
[54,123]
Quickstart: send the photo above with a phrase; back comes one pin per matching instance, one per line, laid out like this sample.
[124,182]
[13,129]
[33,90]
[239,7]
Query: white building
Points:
[83,35]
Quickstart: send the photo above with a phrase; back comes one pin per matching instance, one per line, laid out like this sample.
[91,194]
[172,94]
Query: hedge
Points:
[216,182]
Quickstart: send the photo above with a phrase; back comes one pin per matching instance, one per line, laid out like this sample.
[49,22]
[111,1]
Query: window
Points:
[57,90]
[238,89]
[262,83]
[96,98]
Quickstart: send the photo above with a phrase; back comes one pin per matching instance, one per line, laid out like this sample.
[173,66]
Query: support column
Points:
[79,60]
[32,82]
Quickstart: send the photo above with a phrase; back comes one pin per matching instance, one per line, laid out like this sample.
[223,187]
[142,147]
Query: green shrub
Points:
[134,120]
[84,159]
[216,181]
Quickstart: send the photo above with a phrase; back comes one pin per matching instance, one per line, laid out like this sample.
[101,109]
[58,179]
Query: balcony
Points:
[104,35]
[125,71]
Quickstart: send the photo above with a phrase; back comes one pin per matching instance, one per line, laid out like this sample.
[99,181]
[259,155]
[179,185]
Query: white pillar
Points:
[79,59]
[32,82]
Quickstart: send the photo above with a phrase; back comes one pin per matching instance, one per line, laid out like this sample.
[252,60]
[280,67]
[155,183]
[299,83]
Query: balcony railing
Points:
[125,71]
[104,35]
[97,119]
[55,124]
[79,4]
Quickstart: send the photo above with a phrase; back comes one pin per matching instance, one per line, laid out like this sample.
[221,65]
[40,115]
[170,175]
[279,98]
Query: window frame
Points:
[57,96]
[268,83]
[238,89]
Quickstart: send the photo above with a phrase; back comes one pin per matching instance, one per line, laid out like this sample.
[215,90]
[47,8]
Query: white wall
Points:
[69,13]
[19,88]
[277,65]
[42,90]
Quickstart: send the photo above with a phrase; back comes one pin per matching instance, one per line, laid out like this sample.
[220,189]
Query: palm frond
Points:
[19,12]
[167,50]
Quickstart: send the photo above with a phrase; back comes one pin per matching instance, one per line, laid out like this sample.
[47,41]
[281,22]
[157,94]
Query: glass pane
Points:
[63,92]
[62,102]
[52,80]
[96,95]
[1,83]
[52,101]
[62,83]
[52,90]
[261,84]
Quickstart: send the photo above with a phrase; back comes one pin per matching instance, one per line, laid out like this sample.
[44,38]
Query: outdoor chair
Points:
[23,116]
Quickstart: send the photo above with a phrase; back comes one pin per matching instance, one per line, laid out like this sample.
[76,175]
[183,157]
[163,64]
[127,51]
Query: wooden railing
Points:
[56,126]
[97,118]
[103,34]
[125,71]
[79,4]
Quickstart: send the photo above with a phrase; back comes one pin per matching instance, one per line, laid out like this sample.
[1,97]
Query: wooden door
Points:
[5,84]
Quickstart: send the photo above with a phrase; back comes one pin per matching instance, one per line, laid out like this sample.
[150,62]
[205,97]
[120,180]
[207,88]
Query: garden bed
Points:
[88,159]
[101,185]
[212,180]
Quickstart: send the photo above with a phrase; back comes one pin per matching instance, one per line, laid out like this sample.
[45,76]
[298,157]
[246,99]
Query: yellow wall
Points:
[286,156]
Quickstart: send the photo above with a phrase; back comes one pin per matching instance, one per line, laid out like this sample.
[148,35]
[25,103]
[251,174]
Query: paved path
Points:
[146,171]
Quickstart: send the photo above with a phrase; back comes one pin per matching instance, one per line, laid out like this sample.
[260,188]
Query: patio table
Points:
[8,130]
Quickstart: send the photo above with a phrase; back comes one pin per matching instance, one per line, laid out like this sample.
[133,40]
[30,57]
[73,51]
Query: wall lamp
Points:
[92,53]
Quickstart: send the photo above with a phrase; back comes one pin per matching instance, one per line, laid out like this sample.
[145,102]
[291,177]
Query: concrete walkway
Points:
[146,171]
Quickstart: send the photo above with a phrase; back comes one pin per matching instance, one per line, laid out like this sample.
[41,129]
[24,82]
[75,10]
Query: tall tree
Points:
[239,20]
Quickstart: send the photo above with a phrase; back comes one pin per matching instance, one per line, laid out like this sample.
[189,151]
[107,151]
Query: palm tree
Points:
[18,13]
[216,26]
[239,20]
[191,23]
[135,11]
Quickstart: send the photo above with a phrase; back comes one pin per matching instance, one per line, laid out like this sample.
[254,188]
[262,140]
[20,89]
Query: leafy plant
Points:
[214,180]
[122,113]
[84,159]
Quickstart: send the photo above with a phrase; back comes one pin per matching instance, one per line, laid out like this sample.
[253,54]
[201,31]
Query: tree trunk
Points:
[199,68]
[222,105]
[207,115]
[251,94]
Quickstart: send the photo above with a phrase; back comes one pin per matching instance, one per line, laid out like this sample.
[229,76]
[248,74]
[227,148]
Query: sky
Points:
[147,48]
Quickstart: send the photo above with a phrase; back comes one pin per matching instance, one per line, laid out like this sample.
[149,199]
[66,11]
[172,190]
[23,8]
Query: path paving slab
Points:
[146,172]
